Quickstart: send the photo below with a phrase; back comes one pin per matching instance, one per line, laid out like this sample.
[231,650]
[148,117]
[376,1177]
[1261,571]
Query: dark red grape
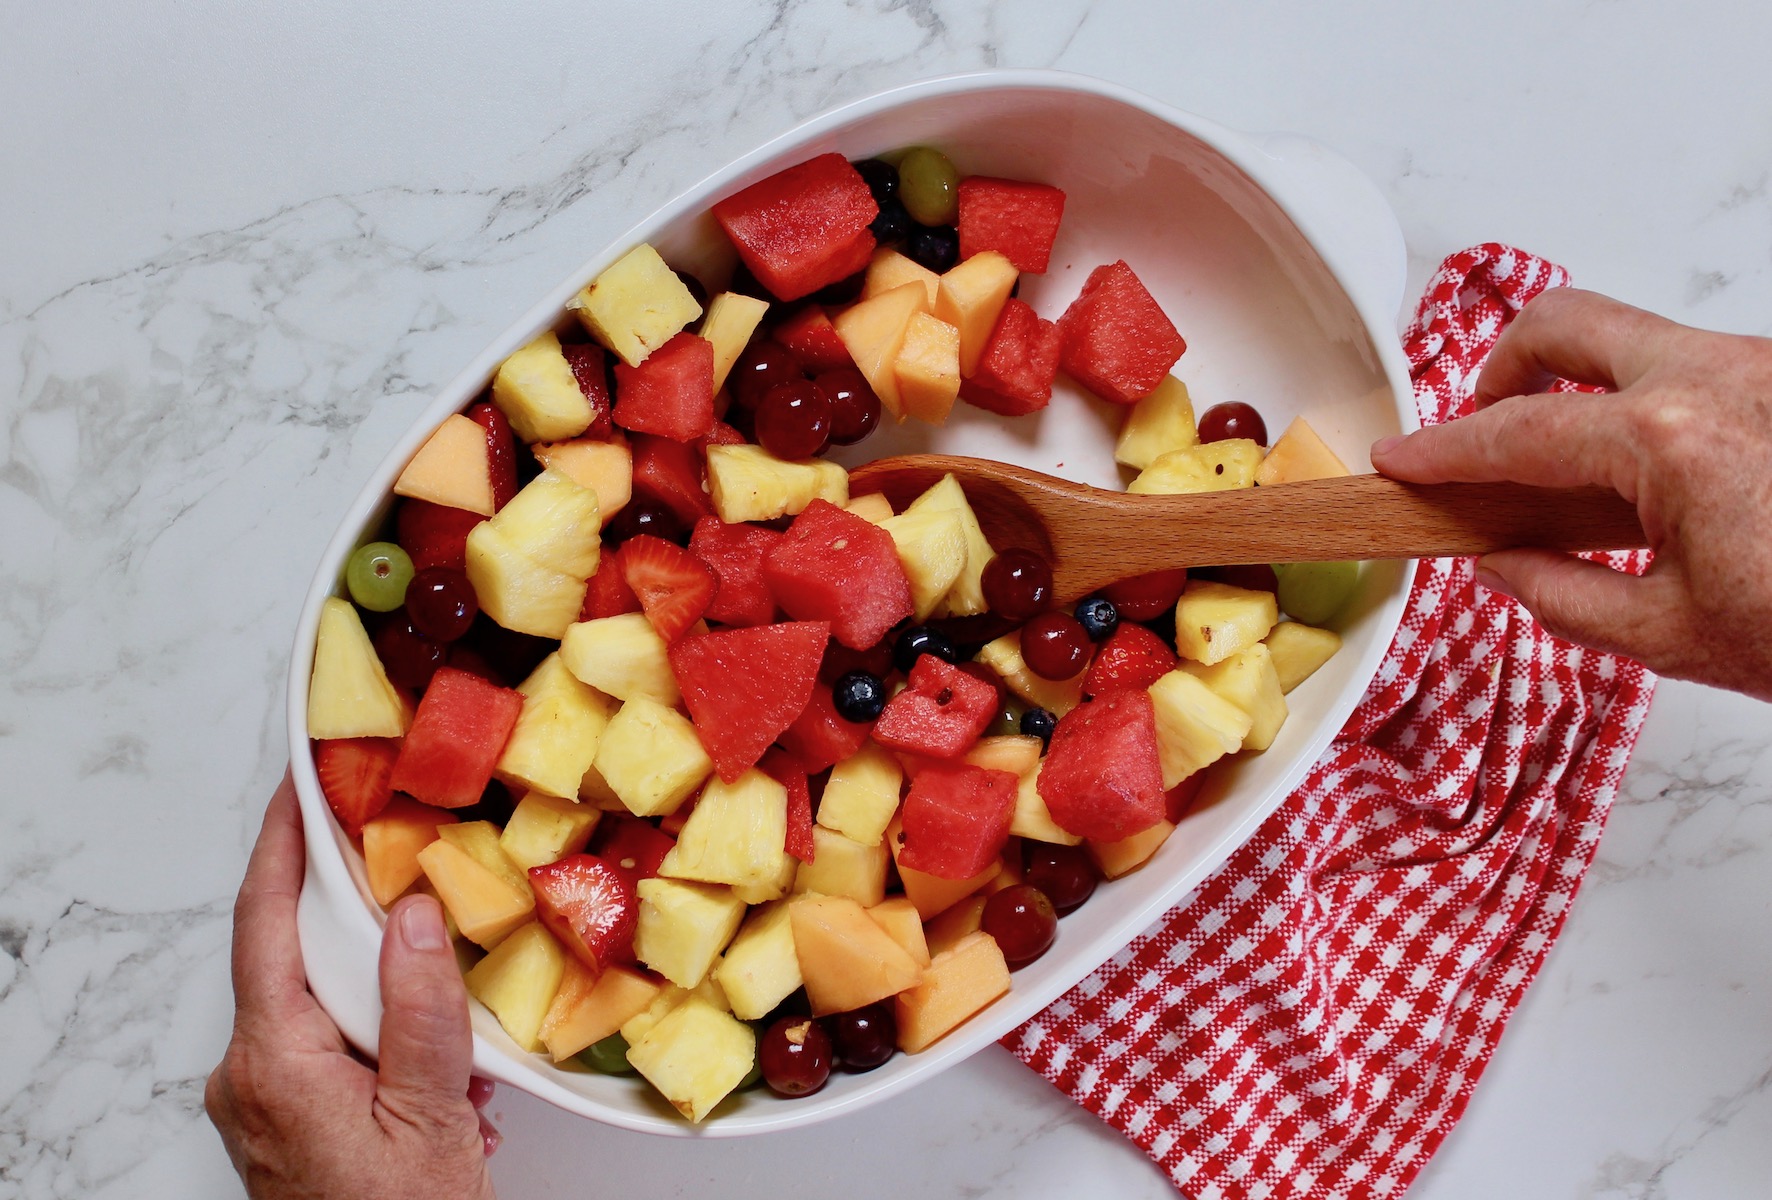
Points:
[1146,597]
[1017,584]
[795,1054]
[1055,646]
[1232,419]
[855,410]
[866,1037]
[794,420]
[1022,921]
[760,368]
[1064,873]
[636,519]
[441,603]
[408,656]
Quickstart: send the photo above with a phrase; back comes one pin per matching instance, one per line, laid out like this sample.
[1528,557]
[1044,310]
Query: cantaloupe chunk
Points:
[1015,753]
[591,1006]
[485,907]
[971,298]
[947,929]
[1299,455]
[889,269]
[1114,859]
[873,331]
[873,507]
[606,468]
[846,959]
[391,842]
[898,917]
[927,371]
[931,894]
[957,983]
[453,468]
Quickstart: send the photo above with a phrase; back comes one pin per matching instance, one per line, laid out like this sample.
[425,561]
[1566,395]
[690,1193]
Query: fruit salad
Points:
[725,776]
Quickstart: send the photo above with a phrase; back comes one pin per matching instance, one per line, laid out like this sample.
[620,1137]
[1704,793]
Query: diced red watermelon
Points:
[956,819]
[941,712]
[434,535]
[631,845]
[671,393]
[1018,220]
[744,687]
[834,566]
[1181,797]
[589,905]
[590,366]
[721,434]
[813,339]
[607,594]
[821,737]
[501,451]
[735,552]
[782,768]
[802,228]
[1020,361]
[1102,778]
[356,776]
[1132,658]
[669,474]
[672,585]
[1115,339]
[457,735]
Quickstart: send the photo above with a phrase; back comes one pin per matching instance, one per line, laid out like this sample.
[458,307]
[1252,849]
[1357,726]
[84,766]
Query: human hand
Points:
[302,1118]
[1685,434]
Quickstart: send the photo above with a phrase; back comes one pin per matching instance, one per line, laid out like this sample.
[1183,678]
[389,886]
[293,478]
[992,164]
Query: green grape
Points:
[377,576]
[1008,721]
[609,1056]
[929,186]
[754,1076]
[1313,592]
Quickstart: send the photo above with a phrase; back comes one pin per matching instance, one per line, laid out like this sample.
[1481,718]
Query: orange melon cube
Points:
[963,918]
[898,917]
[607,468]
[589,1007]
[928,369]
[453,468]
[846,959]
[959,982]
[486,907]
[931,894]
[1115,859]
[873,332]
[391,842]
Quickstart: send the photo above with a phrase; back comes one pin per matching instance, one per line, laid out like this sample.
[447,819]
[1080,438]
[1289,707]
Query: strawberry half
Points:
[673,586]
[590,367]
[589,905]
[501,451]
[1133,657]
[434,535]
[631,845]
[356,774]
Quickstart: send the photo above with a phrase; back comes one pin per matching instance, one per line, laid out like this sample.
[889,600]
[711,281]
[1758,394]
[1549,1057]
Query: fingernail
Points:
[1494,582]
[1385,445]
[421,924]
[490,1138]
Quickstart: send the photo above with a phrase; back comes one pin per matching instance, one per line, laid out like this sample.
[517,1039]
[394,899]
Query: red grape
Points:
[1017,584]
[1055,646]
[1022,921]
[408,656]
[1145,597]
[760,368]
[855,410]
[441,603]
[1064,873]
[635,519]
[795,1054]
[794,420]
[1232,419]
[865,1037]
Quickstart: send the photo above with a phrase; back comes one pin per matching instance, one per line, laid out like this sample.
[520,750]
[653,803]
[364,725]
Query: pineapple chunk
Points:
[963,918]
[667,997]
[841,867]
[862,794]
[773,887]
[518,981]
[872,508]
[607,468]
[1032,819]
[621,656]
[966,597]
[554,521]
[482,904]
[1004,657]
[971,298]
[1016,753]
[747,483]
[684,926]
[635,306]
[927,370]
[734,834]
[453,468]
[1161,422]
[595,790]
[760,969]
[650,757]
[545,829]
[590,1006]
[958,983]
[516,591]
[1298,650]
[731,320]
[349,694]
[1195,726]
[873,332]
[557,731]
[889,269]
[1248,680]
[538,393]
[1299,455]
[931,547]
[1215,620]
[695,1056]
[1212,467]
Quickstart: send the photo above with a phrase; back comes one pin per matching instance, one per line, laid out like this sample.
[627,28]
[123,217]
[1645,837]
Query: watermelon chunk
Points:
[434,535]
[721,434]
[607,593]
[589,905]
[632,845]
[669,474]
[356,777]
[814,340]
[820,736]
[743,687]
[1020,361]
[671,393]
[802,228]
[1018,220]
[832,565]
[956,819]
[590,366]
[940,714]
[1132,659]
[1102,778]
[735,552]
[1115,339]
[457,735]
[782,768]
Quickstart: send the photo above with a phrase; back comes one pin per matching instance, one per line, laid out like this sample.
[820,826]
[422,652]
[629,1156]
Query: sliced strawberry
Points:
[434,535]
[501,451]
[631,845]
[673,586]
[590,367]
[1133,657]
[589,905]
[608,594]
[782,768]
[743,687]
[356,775]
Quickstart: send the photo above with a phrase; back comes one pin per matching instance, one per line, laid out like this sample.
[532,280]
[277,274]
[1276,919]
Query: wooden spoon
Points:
[1094,537]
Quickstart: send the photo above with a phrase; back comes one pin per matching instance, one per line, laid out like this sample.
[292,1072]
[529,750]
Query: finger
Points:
[1564,333]
[1564,440]
[427,1046]
[269,979]
[1588,602]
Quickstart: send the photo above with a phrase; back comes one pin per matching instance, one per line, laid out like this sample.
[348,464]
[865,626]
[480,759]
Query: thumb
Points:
[427,1045]
[1587,602]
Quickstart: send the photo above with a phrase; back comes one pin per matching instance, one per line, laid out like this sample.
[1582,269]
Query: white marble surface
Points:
[238,246]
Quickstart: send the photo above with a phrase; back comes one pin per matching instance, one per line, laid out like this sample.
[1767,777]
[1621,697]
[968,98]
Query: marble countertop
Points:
[241,244]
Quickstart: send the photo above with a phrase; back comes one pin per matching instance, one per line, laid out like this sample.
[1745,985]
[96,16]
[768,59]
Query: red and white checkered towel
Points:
[1309,1024]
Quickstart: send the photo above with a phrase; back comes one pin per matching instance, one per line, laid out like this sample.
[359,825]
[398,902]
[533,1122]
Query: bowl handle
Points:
[1359,233]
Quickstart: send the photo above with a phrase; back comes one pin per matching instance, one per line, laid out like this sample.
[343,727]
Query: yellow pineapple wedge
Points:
[518,980]
[747,483]
[1210,467]
[1195,726]
[873,332]
[538,393]
[1114,859]
[516,591]
[650,757]
[889,269]
[1032,818]
[621,656]
[971,297]
[1248,680]
[1161,422]
[931,547]
[695,1056]
[607,468]
[683,927]
[734,835]
[635,306]
[1057,696]
[1215,620]
[731,319]
[760,970]
[1298,650]
[966,597]
[554,521]
[841,867]
[927,370]
[557,731]
[545,829]
[349,694]
[862,794]
[453,468]
[1298,455]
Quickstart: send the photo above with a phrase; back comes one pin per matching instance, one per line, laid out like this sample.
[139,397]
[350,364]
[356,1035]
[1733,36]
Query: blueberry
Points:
[936,247]
[1037,722]
[893,223]
[1098,617]
[859,696]
[881,177]
[919,640]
